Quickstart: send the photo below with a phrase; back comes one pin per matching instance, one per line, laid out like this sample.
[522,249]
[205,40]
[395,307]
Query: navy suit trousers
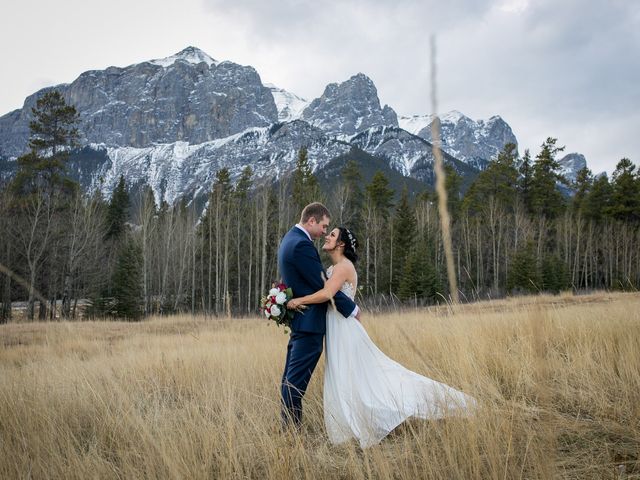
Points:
[303,352]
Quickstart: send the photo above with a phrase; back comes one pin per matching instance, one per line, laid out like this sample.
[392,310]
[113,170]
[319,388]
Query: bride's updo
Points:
[350,243]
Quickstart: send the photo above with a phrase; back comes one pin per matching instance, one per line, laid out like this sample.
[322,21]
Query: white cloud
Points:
[514,6]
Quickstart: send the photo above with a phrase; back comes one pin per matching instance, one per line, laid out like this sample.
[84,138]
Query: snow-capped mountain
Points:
[191,55]
[174,122]
[290,106]
[349,107]
[571,164]
[415,123]
[160,101]
[472,141]
[180,169]
[407,153]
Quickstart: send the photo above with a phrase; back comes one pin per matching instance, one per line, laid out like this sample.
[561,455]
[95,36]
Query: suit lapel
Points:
[304,237]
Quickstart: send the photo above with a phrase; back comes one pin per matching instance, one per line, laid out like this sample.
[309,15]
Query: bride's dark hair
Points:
[350,243]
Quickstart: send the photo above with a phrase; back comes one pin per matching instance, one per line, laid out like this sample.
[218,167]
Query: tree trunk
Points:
[5,313]
[42,310]
[193,271]
[217,272]
[250,266]
[225,264]
[65,309]
[210,258]
[265,225]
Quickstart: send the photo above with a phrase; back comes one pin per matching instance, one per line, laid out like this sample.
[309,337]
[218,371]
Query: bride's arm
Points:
[331,287]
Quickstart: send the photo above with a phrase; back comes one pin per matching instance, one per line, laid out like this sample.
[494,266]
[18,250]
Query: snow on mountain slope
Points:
[290,106]
[472,141]
[190,54]
[181,170]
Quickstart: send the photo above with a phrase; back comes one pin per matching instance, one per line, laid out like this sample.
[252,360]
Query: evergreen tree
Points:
[223,181]
[53,132]
[42,198]
[625,196]
[546,199]
[597,202]
[524,275]
[419,277]
[525,181]
[305,187]
[242,209]
[555,277]
[377,240]
[127,282]
[453,184]
[244,184]
[380,194]
[404,231]
[582,186]
[219,197]
[353,208]
[117,211]
[423,196]
[54,124]
[498,181]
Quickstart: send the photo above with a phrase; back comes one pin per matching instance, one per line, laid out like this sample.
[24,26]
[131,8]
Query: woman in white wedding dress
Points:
[367,394]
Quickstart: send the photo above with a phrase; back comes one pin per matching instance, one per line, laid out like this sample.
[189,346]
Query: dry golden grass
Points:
[558,380]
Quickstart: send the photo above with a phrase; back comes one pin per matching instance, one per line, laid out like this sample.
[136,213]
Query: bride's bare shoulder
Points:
[345,270]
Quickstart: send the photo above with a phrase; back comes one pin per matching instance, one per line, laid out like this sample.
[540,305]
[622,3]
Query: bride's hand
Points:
[294,304]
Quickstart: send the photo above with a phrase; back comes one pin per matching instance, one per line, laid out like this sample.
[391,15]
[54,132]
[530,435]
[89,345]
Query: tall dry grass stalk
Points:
[557,379]
[443,209]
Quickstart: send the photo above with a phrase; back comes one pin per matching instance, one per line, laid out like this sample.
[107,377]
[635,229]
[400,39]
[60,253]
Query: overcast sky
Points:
[563,68]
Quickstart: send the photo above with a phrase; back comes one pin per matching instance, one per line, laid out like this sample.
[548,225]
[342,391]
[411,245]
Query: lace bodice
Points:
[348,288]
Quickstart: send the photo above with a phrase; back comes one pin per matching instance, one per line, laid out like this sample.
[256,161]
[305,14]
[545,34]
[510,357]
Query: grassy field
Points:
[557,378]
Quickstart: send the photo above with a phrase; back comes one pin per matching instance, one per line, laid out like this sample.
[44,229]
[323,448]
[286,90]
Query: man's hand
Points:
[358,315]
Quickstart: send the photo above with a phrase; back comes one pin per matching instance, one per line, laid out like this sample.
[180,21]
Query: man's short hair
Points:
[315,210]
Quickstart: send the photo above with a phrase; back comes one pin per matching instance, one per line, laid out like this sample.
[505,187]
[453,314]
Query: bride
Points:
[367,394]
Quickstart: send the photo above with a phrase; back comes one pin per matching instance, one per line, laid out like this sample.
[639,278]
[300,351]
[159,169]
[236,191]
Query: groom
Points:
[301,269]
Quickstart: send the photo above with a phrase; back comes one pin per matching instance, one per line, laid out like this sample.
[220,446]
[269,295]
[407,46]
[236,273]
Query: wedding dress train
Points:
[367,394]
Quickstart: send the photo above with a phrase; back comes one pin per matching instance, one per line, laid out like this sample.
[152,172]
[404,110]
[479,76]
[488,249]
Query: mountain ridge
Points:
[187,115]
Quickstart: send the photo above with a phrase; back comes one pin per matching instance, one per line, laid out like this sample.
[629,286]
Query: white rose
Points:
[281,298]
[273,292]
[275,310]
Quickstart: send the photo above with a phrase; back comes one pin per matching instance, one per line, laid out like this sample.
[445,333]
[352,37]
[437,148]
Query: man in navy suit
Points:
[301,269]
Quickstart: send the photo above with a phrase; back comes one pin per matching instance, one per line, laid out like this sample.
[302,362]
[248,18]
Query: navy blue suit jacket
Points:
[301,269]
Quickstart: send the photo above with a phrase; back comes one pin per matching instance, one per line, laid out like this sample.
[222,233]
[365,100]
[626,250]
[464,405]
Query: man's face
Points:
[318,229]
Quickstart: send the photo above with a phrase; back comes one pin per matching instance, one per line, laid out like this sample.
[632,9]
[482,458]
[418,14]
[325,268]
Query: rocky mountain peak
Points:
[350,107]
[190,55]
[571,164]
[187,97]
[475,142]
[173,122]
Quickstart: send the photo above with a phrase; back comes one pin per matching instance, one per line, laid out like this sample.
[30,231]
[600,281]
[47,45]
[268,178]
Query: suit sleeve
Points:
[311,269]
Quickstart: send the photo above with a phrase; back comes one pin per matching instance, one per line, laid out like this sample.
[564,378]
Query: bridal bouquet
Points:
[274,305]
